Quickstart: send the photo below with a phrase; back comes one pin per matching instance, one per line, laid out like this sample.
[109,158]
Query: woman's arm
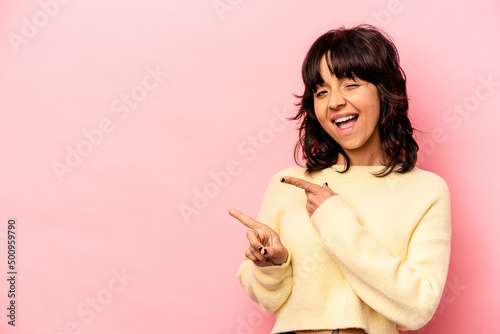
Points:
[405,291]
[269,286]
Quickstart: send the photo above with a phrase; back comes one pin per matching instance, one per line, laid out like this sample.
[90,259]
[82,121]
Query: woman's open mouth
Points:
[347,122]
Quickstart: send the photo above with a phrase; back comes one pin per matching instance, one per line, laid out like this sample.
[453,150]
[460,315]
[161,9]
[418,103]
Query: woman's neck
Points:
[367,159]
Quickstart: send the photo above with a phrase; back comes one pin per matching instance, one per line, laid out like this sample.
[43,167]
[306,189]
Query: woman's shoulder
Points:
[425,180]
[278,191]
[425,176]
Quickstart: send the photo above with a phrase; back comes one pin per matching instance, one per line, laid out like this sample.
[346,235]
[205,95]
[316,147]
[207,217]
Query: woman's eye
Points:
[320,93]
[352,86]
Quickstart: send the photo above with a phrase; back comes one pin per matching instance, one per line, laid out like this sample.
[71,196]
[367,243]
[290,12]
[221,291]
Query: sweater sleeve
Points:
[269,286]
[406,291]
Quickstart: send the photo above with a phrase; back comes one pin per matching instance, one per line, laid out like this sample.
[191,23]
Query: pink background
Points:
[132,235]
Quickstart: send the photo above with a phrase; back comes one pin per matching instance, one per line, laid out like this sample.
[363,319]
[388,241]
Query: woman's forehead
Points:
[326,69]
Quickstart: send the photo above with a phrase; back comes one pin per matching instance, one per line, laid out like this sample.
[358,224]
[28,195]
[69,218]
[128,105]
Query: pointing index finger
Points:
[246,220]
[299,183]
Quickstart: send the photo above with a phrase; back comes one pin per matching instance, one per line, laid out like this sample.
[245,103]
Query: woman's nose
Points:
[336,100]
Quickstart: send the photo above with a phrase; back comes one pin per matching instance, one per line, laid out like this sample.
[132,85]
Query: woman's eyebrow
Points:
[318,86]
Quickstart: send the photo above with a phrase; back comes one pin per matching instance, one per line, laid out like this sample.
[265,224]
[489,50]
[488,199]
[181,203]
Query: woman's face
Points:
[349,110]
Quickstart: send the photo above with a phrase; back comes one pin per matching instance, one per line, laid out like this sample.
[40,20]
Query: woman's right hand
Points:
[265,248]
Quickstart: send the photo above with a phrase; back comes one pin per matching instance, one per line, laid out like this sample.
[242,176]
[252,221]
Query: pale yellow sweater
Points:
[375,257]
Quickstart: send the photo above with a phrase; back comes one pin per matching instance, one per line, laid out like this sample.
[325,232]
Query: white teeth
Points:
[343,119]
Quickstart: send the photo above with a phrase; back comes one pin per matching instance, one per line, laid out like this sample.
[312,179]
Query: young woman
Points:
[358,240]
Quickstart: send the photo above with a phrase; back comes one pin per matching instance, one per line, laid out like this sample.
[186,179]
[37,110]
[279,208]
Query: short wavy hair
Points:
[369,54]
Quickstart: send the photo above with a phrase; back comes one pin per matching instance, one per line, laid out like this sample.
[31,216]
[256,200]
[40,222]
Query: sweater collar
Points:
[358,171]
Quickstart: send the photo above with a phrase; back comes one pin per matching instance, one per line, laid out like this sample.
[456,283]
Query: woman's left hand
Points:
[316,194]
